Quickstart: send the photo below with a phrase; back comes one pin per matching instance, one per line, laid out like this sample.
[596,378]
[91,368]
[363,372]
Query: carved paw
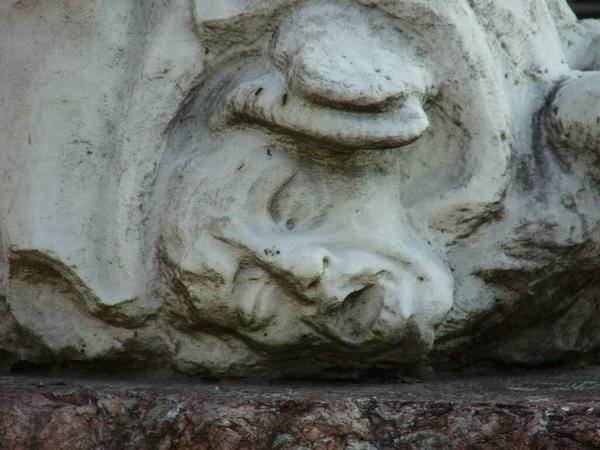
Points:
[573,124]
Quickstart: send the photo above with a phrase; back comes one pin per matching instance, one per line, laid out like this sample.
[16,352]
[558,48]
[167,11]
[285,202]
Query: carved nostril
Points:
[354,298]
[359,311]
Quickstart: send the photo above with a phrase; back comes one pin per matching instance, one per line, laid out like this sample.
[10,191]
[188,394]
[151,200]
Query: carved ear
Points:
[573,123]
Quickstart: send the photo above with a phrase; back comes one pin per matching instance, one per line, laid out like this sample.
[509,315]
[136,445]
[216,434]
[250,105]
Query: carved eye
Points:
[300,203]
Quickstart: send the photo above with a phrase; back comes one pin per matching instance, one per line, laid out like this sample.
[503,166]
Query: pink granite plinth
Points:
[555,410]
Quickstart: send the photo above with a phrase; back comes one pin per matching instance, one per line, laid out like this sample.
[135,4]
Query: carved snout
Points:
[334,279]
[359,300]
[361,296]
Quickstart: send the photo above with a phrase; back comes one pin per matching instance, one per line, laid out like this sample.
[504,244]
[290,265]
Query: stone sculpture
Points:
[299,188]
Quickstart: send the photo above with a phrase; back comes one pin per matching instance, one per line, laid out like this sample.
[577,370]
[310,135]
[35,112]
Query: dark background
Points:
[586,8]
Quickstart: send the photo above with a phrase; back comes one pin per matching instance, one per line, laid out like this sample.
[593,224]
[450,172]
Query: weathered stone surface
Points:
[283,188]
[515,411]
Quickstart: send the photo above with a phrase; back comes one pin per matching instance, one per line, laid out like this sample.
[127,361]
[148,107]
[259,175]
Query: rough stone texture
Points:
[283,188]
[555,410]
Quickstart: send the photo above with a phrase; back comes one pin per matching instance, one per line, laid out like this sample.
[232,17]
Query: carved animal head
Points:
[228,186]
[290,221]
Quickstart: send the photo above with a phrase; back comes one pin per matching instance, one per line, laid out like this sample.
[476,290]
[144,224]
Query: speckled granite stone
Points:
[556,410]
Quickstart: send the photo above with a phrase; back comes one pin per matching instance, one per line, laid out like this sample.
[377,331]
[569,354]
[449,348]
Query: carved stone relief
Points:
[299,188]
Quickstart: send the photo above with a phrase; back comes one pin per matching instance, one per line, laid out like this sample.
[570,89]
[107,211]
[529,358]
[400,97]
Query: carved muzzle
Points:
[319,248]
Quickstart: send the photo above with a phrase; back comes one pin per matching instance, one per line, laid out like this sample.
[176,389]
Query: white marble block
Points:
[280,188]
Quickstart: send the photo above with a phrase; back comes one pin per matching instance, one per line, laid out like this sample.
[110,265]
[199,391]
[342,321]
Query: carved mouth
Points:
[266,101]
